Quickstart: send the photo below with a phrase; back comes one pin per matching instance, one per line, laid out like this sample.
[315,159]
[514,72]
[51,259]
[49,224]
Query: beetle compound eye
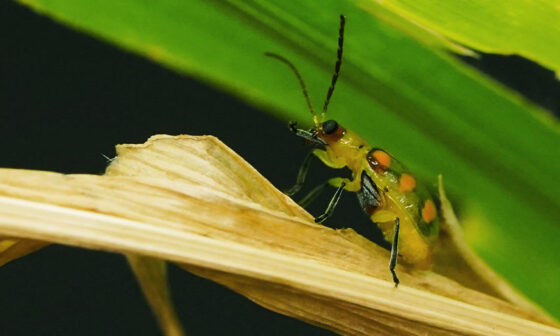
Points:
[330,126]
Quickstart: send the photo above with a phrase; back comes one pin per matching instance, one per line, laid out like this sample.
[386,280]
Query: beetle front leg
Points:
[324,157]
[302,174]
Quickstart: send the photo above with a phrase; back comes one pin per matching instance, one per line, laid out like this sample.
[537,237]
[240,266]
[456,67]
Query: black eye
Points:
[330,126]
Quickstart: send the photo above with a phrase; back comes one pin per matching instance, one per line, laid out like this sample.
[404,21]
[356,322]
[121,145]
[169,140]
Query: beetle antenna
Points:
[336,67]
[300,79]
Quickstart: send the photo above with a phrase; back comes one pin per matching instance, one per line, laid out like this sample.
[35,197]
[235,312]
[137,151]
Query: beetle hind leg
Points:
[394,252]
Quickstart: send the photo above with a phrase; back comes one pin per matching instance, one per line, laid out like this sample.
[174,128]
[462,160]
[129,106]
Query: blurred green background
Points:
[67,97]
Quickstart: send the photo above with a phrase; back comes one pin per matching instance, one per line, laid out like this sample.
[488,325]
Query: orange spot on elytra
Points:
[429,211]
[383,159]
[407,182]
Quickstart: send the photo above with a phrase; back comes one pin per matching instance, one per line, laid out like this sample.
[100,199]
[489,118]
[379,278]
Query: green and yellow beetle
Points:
[388,193]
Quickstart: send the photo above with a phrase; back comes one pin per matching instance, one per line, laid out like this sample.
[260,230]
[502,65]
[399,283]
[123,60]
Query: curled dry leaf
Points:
[193,201]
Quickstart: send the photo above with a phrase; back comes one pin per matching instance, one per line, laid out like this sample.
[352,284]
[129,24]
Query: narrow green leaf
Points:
[498,155]
[526,28]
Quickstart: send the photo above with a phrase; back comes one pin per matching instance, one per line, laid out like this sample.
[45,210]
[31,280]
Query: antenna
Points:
[301,83]
[336,67]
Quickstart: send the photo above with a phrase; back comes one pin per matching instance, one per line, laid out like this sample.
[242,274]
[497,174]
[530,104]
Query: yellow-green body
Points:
[416,237]
[402,209]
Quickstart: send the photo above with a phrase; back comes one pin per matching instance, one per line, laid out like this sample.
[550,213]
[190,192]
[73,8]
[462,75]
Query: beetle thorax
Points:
[347,149]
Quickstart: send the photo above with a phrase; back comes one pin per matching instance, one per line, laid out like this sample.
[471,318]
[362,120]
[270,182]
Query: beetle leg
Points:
[332,205]
[350,185]
[336,182]
[322,155]
[394,252]
[312,195]
[302,174]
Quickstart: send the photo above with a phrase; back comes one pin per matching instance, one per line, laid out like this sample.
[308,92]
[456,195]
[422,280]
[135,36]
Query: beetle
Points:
[388,193]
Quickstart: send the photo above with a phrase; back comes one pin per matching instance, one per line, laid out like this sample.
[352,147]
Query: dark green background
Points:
[65,98]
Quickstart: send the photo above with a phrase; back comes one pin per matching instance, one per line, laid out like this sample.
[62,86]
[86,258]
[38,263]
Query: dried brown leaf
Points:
[193,201]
